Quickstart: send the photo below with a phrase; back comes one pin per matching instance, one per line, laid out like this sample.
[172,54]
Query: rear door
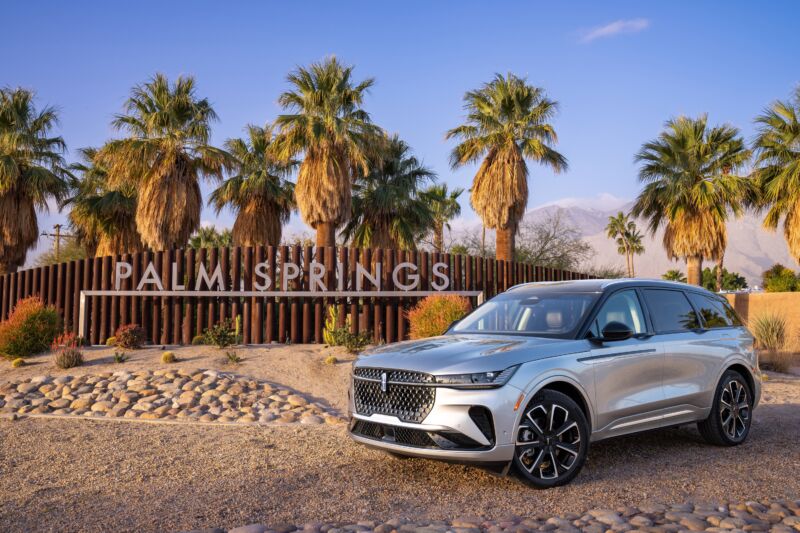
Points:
[688,351]
[628,373]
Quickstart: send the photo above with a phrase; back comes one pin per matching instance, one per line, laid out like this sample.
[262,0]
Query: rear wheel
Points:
[728,424]
[552,440]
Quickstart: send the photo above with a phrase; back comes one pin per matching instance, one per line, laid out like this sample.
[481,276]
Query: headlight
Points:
[480,380]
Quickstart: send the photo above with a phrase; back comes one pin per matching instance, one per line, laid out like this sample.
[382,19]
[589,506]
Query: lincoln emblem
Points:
[383,381]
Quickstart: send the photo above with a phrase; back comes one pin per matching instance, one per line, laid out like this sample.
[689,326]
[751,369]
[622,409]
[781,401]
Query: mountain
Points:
[751,249]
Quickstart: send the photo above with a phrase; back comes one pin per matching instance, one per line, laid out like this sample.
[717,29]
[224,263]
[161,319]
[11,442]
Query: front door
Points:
[627,373]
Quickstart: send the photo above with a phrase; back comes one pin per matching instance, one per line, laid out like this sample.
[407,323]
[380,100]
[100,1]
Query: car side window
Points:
[621,307]
[670,311]
[712,311]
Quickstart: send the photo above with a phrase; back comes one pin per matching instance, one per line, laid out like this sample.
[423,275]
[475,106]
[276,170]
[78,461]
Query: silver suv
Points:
[533,375]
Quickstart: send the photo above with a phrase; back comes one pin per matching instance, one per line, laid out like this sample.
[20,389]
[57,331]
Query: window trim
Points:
[723,301]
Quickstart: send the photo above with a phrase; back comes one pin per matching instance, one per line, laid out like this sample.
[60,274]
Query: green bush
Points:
[30,329]
[769,330]
[341,336]
[168,358]
[780,279]
[111,341]
[198,340]
[220,335]
[68,357]
[120,357]
[354,343]
[434,314]
[233,357]
[130,336]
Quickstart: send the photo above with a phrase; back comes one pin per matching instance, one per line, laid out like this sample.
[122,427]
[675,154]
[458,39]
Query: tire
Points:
[728,424]
[551,441]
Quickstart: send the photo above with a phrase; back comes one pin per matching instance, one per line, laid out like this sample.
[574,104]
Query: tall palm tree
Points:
[691,187]
[445,207]
[32,171]
[102,217]
[165,155]
[388,210]
[777,173]
[328,125]
[257,192]
[507,123]
[627,237]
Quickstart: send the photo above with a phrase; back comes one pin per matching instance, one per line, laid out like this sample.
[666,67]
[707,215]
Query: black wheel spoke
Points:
[548,441]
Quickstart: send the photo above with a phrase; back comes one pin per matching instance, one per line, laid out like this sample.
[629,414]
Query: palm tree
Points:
[445,207]
[32,171]
[388,209]
[674,275]
[102,218]
[628,238]
[210,237]
[507,123]
[164,157]
[328,125]
[777,173]
[258,192]
[690,188]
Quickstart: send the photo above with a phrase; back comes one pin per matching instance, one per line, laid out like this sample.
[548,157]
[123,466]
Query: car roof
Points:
[600,285]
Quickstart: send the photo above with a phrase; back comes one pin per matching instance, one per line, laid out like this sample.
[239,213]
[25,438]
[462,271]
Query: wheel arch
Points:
[570,388]
[742,369]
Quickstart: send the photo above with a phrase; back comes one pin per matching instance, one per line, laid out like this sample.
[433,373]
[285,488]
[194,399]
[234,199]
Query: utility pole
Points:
[58,236]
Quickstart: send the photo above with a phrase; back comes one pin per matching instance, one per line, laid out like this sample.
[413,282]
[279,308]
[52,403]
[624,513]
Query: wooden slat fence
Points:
[176,320]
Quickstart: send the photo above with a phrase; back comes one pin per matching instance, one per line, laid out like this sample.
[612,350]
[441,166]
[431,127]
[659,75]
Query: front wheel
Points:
[728,424]
[552,440]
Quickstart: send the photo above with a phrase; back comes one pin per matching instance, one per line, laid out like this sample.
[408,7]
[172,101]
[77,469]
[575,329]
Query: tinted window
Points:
[712,311]
[621,307]
[670,311]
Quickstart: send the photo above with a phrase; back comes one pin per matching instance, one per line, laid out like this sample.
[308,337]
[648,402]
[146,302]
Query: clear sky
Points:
[618,69]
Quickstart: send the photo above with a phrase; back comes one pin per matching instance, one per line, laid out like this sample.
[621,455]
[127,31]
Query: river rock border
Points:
[777,516]
[180,395]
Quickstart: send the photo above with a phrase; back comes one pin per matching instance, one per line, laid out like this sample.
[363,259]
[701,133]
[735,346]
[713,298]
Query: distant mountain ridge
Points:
[751,248]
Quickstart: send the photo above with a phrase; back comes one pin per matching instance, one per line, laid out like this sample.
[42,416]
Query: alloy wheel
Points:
[734,409]
[548,441]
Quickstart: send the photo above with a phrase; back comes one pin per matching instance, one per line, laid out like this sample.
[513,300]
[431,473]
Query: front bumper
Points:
[455,429]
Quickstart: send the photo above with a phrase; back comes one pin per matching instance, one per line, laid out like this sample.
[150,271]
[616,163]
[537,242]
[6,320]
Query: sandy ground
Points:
[83,475]
[299,366]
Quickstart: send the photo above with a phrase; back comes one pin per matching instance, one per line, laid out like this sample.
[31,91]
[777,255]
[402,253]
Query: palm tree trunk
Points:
[326,234]
[505,243]
[483,240]
[694,269]
[633,268]
[438,237]
[719,273]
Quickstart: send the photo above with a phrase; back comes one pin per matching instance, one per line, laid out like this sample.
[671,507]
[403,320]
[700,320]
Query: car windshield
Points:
[544,313]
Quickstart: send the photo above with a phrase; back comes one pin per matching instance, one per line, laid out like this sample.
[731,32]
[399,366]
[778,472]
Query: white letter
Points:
[150,276]
[202,275]
[315,276]
[340,275]
[362,273]
[123,272]
[261,272]
[438,272]
[176,285]
[295,271]
[414,278]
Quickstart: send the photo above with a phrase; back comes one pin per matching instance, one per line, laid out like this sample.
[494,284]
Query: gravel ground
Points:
[89,475]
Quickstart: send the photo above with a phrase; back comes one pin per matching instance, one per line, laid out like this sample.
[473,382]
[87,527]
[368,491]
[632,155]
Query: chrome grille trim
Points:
[409,396]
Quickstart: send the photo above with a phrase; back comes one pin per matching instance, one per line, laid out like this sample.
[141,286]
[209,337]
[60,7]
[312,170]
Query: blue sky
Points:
[618,69]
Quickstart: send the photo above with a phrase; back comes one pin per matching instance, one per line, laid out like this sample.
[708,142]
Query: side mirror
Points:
[616,331]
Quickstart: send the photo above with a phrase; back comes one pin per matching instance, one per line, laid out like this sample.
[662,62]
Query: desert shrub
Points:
[334,335]
[434,314]
[331,360]
[233,357]
[769,329]
[221,334]
[120,356]
[168,358]
[67,351]
[111,341]
[30,329]
[18,362]
[779,360]
[130,336]
[355,342]
[198,340]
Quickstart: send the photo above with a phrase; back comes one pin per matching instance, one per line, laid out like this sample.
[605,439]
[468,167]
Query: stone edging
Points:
[204,396]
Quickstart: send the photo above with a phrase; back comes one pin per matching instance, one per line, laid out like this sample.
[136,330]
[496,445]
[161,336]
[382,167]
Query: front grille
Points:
[406,396]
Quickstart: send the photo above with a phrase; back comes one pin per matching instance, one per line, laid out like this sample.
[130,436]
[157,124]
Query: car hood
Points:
[466,353]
